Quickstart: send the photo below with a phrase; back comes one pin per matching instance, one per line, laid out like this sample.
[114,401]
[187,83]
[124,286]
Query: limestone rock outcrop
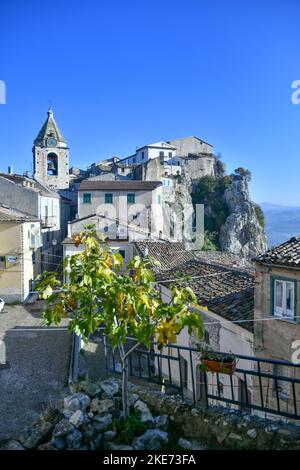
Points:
[242,232]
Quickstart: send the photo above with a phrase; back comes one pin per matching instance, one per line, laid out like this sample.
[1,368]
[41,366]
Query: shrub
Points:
[129,427]
[240,171]
[210,241]
[260,215]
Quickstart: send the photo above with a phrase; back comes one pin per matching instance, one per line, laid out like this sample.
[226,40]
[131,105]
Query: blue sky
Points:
[121,74]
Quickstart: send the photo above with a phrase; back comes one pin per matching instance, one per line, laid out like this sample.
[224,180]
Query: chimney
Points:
[10,170]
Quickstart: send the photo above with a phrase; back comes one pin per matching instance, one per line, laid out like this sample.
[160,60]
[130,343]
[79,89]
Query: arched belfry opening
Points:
[52,164]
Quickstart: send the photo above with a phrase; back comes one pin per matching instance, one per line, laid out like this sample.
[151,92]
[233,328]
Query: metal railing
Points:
[48,221]
[265,385]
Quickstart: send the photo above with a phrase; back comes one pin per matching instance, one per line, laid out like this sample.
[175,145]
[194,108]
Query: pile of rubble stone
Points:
[85,422]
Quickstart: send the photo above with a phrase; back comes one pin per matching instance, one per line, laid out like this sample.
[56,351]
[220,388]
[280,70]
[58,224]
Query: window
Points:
[87,198]
[158,199]
[131,198]
[108,198]
[2,262]
[170,154]
[282,387]
[122,253]
[143,155]
[284,301]
[162,154]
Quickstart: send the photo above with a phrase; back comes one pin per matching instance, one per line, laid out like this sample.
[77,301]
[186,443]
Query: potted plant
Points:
[222,363]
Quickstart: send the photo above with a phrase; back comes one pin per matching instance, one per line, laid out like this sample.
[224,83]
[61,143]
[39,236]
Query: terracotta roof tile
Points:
[286,254]
[225,291]
[122,185]
[169,254]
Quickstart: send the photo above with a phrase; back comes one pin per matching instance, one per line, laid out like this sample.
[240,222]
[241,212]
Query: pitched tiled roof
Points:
[190,137]
[90,216]
[160,144]
[123,185]
[225,291]
[11,215]
[32,185]
[169,254]
[286,254]
[224,258]
[50,127]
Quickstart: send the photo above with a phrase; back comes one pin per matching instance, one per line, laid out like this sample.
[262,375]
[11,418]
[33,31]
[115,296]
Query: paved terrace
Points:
[35,370]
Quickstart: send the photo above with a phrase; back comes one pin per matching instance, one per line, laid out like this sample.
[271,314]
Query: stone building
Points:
[195,156]
[51,156]
[277,311]
[188,146]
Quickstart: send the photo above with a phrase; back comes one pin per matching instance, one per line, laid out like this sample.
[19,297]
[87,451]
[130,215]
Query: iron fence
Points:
[265,385]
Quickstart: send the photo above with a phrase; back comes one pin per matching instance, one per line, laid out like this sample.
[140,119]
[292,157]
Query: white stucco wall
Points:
[150,152]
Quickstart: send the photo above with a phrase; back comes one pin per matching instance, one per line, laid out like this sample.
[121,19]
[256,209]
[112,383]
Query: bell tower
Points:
[51,156]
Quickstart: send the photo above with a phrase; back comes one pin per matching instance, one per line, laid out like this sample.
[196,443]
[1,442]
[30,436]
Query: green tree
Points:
[210,243]
[240,171]
[260,215]
[97,293]
[210,192]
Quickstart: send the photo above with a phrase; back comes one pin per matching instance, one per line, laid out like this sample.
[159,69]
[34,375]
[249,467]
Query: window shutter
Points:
[289,299]
[278,298]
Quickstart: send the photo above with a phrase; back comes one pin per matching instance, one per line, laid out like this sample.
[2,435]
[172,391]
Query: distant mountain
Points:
[282,222]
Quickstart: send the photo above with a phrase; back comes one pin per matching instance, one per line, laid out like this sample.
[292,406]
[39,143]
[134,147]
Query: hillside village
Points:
[145,204]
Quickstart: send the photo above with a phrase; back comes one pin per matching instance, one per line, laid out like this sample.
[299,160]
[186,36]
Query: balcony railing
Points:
[48,222]
[254,386]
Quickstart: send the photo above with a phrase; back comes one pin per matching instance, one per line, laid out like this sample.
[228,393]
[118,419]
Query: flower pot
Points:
[219,366]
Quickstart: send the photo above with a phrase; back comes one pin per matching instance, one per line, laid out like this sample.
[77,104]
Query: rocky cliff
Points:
[232,221]
[242,233]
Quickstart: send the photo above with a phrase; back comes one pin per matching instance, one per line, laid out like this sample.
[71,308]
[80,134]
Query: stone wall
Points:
[242,233]
[14,195]
[90,419]
[218,426]
[199,166]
